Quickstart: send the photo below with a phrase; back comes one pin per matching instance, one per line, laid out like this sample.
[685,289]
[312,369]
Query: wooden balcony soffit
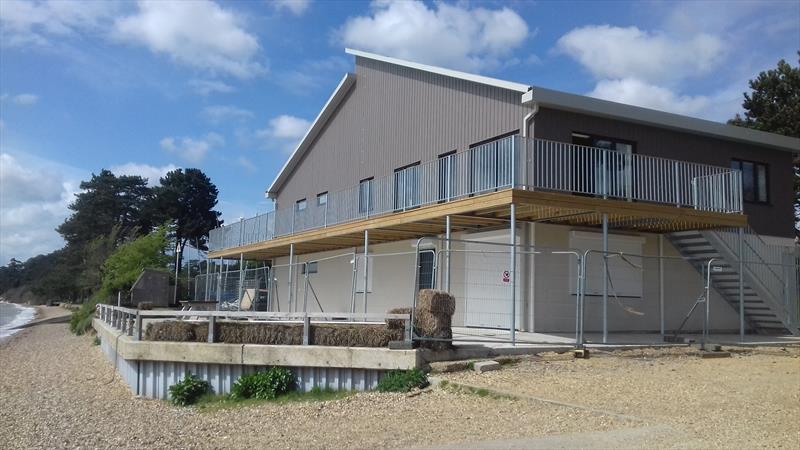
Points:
[491,211]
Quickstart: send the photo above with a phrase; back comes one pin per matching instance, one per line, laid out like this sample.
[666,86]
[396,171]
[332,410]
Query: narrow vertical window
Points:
[755,180]
[365,196]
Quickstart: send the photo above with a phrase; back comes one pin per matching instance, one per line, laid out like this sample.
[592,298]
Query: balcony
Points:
[530,166]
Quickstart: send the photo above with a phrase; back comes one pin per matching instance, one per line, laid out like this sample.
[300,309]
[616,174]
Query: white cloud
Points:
[221,113]
[296,7]
[208,87]
[198,34]
[35,195]
[614,53]
[29,22]
[286,127]
[454,36]
[26,99]
[190,149]
[636,92]
[152,174]
[284,131]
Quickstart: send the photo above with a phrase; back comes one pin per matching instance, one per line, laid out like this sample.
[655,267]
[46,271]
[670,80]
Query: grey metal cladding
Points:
[395,116]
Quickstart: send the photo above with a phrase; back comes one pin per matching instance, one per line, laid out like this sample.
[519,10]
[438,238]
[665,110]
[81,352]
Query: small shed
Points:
[151,286]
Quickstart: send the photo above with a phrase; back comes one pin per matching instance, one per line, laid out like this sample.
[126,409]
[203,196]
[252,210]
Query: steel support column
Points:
[289,304]
[366,268]
[513,273]
[741,284]
[241,282]
[447,254]
[605,278]
[661,283]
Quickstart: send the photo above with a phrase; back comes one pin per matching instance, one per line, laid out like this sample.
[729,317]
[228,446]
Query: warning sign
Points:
[506,276]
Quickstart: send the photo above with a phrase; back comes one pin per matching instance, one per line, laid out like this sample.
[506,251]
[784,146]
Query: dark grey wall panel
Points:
[774,219]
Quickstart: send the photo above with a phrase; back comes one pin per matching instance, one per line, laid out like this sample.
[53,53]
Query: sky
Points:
[230,87]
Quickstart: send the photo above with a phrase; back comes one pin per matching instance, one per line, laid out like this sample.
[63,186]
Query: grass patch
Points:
[211,403]
[403,381]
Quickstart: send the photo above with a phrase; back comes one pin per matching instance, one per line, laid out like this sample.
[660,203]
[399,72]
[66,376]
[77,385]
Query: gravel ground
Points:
[751,400]
[58,391]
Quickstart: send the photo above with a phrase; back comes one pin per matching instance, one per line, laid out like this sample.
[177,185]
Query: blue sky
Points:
[230,87]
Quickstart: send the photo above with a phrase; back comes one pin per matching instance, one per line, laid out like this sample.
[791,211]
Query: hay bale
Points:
[335,335]
[433,318]
[174,330]
[144,306]
[397,324]
[259,333]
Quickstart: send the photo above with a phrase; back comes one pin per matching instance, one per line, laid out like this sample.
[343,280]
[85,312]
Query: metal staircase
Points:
[770,276]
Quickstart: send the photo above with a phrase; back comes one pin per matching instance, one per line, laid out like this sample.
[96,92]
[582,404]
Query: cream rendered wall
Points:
[549,304]
[555,306]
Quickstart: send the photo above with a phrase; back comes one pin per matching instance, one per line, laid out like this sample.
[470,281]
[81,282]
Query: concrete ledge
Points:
[258,355]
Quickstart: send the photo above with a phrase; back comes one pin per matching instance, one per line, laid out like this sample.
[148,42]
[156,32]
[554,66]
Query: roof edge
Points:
[510,85]
[661,119]
[313,131]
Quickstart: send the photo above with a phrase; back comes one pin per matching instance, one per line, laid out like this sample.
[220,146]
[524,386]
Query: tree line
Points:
[109,213]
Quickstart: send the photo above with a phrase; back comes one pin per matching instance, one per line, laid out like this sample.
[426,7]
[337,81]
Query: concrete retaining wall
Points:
[149,368]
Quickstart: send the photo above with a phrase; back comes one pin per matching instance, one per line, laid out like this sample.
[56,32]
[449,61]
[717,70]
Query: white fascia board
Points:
[313,131]
[518,87]
[660,119]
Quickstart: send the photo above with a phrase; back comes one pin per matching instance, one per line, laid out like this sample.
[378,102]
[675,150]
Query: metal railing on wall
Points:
[510,162]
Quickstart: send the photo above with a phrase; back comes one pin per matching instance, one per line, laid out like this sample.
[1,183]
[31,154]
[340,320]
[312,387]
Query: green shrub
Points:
[81,320]
[96,341]
[264,385]
[403,380]
[188,390]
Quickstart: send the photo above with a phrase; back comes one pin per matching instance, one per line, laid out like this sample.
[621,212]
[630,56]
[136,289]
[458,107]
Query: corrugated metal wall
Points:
[155,377]
[395,116]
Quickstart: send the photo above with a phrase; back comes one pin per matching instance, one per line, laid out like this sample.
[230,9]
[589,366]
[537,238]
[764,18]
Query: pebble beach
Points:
[57,390]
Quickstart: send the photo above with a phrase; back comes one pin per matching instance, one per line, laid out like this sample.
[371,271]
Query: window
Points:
[365,196]
[754,180]
[301,205]
[322,199]
[588,171]
[425,270]
[447,176]
[312,268]
[406,187]
[491,164]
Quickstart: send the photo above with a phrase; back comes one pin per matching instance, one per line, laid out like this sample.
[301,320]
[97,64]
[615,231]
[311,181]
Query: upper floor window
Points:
[754,180]
[301,205]
[491,163]
[406,187]
[322,199]
[447,176]
[365,196]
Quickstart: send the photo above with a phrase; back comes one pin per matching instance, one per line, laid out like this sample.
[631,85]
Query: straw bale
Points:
[397,324]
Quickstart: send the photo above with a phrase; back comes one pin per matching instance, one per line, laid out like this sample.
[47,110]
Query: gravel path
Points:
[58,391]
[751,400]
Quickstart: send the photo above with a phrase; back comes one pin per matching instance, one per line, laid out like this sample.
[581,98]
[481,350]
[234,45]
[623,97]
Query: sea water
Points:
[12,316]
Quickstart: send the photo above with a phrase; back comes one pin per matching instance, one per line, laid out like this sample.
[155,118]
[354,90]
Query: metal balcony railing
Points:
[510,162]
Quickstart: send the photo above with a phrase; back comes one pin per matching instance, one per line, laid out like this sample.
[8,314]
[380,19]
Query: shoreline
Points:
[40,312]
[13,327]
